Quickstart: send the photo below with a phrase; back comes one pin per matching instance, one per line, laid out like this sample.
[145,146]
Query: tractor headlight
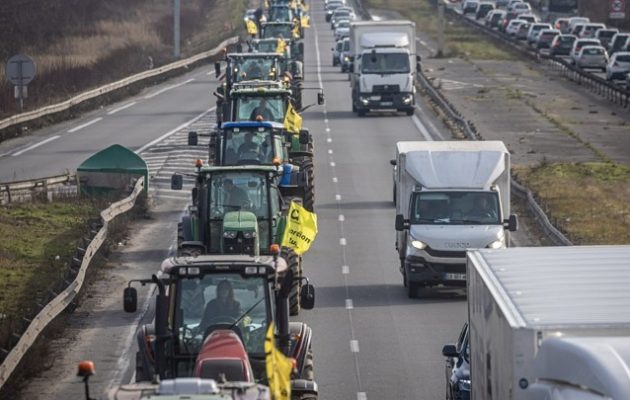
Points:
[249,235]
[230,234]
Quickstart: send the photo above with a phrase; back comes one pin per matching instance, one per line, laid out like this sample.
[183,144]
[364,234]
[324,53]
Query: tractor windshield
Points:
[278,31]
[203,302]
[246,69]
[280,14]
[250,146]
[267,46]
[269,108]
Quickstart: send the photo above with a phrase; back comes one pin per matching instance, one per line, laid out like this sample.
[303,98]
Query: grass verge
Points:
[588,201]
[460,41]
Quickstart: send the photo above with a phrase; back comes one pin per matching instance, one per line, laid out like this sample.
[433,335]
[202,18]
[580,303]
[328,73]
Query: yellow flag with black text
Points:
[278,368]
[301,229]
[292,120]
[252,29]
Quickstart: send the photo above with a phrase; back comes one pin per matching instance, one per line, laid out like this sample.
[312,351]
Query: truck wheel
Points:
[183,251]
[293,262]
[140,374]
[361,112]
[308,200]
[394,196]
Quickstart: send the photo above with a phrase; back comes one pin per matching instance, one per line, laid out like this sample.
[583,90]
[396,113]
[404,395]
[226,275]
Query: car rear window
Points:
[623,58]
[592,52]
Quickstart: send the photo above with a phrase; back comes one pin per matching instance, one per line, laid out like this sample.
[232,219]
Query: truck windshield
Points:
[385,63]
[455,208]
[270,108]
[221,298]
[248,146]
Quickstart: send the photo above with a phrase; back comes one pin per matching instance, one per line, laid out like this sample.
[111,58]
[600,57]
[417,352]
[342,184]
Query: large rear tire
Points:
[309,191]
[308,372]
[185,251]
[293,262]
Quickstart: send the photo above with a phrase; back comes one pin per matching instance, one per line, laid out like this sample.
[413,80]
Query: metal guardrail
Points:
[111,87]
[609,90]
[51,310]
[50,187]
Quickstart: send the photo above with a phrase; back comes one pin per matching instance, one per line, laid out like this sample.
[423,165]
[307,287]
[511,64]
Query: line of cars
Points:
[340,15]
[586,44]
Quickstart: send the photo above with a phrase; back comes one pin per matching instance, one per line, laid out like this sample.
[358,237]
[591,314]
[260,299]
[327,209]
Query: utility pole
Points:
[440,49]
[176,25]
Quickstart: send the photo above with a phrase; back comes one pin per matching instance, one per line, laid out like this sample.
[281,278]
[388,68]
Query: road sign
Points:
[617,9]
[20,70]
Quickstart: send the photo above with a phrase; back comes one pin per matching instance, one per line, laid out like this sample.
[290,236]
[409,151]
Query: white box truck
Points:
[450,196]
[384,63]
[549,323]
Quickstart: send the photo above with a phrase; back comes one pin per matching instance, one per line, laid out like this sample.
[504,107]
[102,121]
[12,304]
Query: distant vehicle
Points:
[501,3]
[510,5]
[341,13]
[534,29]
[561,24]
[494,17]
[523,29]
[531,18]
[514,26]
[483,9]
[618,66]
[339,21]
[605,35]
[577,30]
[509,16]
[331,7]
[562,45]
[589,30]
[545,37]
[458,367]
[617,42]
[592,57]
[343,30]
[578,44]
[469,6]
[336,52]
[577,20]
[522,7]
[344,56]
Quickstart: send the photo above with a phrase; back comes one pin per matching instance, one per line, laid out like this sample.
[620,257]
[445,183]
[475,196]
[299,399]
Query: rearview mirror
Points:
[449,350]
[217,69]
[401,224]
[511,224]
[320,98]
[177,182]
[307,297]
[130,299]
[193,138]
[392,162]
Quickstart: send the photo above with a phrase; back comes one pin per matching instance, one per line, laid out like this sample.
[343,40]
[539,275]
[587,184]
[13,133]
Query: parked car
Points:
[562,45]
[589,30]
[578,44]
[458,367]
[617,42]
[336,51]
[514,26]
[605,35]
[545,37]
[592,57]
[483,9]
[469,6]
[494,17]
[534,29]
[618,66]
[561,24]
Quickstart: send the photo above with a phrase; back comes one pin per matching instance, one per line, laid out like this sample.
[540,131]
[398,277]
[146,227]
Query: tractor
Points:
[237,210]
[212,315]
[285,31]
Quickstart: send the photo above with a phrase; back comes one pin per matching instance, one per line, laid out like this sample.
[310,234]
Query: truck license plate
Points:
[454,277]
[387,103]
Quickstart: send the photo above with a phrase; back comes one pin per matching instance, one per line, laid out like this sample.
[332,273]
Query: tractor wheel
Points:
[184,252]
[140,374]
[293,262]
[307,371]
[309,191]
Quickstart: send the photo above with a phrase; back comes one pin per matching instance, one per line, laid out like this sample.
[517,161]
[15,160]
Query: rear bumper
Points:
[428,273]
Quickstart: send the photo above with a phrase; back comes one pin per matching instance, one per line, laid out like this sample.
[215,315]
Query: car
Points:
[469,6]
[457,370]
[521,33]
[592,57]
[509,16]
[514,26]
[545,37]
[534,30]
[531,18]
[511,3]
[336,51]
[562,45]
[618,66]
[344,56]
[483,9]
[522,7]
[617,42]
[501,3]
[577,29]
[589,30]
[341,13]
[577,20]
[331,7]
[494,17]
[340,20]
[343,30]
[605,35]
[628,81]
[561,24]
[578,44]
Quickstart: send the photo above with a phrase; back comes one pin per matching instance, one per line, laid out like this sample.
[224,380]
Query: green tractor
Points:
[284,30]
[237,210]
[212,315]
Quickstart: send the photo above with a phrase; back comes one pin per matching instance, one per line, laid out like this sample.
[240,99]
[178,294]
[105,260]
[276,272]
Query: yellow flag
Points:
[306,21]
[281,47]
[292,120]
[252,29]
[296,31]
[301,229]
[278,368]
[266,3]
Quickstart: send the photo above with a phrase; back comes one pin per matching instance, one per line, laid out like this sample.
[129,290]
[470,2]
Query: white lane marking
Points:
[151,95]
[327,129]
[330,151]
[343,241]
[325,120]
[115,110]
[421,128]
[335,180]
[76,128]
[345,269]
[338,197]
[361,396]
[341,218]
[349,305]
[328,140]
[36,145]
[171,132]
[332,164]
[354,346]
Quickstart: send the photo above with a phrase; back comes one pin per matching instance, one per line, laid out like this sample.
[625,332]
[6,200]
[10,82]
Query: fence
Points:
[61,301]
[43,188]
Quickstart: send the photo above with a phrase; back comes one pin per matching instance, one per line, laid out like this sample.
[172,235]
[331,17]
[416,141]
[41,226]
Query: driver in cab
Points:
[223,307]
[235,197]
[261,112]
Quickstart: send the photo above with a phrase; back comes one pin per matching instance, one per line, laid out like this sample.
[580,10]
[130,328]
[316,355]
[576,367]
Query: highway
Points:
[370,340]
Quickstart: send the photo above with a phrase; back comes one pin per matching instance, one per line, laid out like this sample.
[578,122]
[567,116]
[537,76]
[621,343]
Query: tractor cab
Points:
[288,31]
[281,13]
[283,50]
[256,100]
[251,66]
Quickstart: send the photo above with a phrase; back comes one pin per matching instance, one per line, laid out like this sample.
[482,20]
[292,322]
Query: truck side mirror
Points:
[401,224]
[305,137]
[392,162]
[130,299]
[307,297]
[193,138]
[511,224]
[320,98]
[449,350]
[177,182]
[217,69]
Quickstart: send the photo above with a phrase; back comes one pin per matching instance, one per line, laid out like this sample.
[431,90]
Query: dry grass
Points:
[589,201]
[460,41]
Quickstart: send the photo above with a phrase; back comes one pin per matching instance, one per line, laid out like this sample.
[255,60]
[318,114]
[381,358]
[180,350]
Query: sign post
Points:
[617,9]
[20,72]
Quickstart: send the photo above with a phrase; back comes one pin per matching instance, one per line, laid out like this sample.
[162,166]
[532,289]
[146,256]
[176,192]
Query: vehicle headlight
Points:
[249,235]
[364,100]
[497,244]
[418,244]
[346,59]
[230,234]
[464,384]
[407,99]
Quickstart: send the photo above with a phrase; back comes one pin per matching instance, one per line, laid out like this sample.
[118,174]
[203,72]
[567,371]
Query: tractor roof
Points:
[252,124]
[239,168]
[224,262]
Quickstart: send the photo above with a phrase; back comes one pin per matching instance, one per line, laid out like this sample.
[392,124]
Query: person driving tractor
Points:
[223,308]
[235,197]
[261,110]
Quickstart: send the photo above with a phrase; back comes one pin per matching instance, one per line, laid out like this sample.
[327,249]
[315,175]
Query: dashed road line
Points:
[166,89]
[349,304]
[123,107]
[345,269]
[343,242]
[92,122]
[36,145]
[354,346]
